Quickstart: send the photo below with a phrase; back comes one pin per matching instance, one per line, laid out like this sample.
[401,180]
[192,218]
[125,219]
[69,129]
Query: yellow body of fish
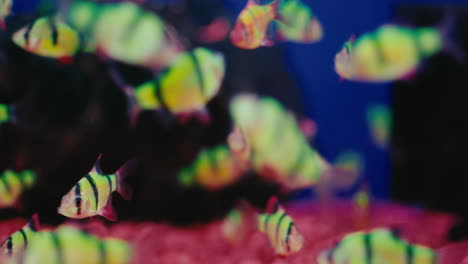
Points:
[48,37]
[193,80]
[17,242]
[13,184]
[213,169]
[280,151]
[390,53]
[251,26]
[4,113]
[5,10]
[68,245]
[281,231]
[379,246]
[298,23]
[125,32]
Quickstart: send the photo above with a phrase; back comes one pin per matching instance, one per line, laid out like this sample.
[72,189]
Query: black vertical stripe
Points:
[24,237]
[199,73]
[158,92]
[409,254]
[21,179]
[54,31]
[266,223]
[278,226]
[213,162]
[95,190]
[3,179]
[288,232]
[331,253]
[102,252]
[78,198]
[58,248]
[10,246]
[109,181]
[27,33]
[368,247]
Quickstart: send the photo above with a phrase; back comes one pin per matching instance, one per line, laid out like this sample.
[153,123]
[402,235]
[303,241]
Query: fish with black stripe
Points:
[379,246]
[17,242]
[184,89]
[276,146]
[49,37]
[92,194]
[213,169]
[71,245]
[393,52]
[125,32]
[299,23]
[13,184]
[280,229]
[5,11]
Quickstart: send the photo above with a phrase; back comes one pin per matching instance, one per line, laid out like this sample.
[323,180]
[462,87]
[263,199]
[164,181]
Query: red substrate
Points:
[162,243]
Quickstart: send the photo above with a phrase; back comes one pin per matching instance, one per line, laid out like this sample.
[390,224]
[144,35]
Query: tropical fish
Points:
[92,194]
[6,113]
[70,245]
[298,23]
[17,242]
[279,150]
[233,225]
[213,169]
[390,53]
[5,11]
[216,31]
[380,246]
[126,32]
[250,30]
[280,229]
[350,160]
[379,119]
[13,184]
[185,88]
[49,37]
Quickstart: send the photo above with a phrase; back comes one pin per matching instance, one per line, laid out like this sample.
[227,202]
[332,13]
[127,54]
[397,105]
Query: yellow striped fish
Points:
[17,242]
[92,194]
[185,88]
[298,24]
[380,246]
[13,184]
[5,11]
[279,150]
[49,37]
[390,53]
[213,169]
[126,32]
[69,245]
[280,229]
[250,30]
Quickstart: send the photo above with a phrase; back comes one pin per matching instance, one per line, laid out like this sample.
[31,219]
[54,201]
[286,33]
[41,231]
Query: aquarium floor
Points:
[320,226]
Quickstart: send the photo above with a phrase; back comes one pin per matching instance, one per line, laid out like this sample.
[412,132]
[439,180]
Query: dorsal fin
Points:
[272,205]
[33,223]
[97,165]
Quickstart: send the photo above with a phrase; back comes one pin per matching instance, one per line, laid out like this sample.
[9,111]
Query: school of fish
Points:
[266,139]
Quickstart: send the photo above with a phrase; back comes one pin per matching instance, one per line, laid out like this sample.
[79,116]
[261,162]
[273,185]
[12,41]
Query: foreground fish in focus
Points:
[280,229]
[92,194]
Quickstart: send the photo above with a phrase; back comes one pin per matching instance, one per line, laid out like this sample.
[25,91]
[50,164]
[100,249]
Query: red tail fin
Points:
[122,188]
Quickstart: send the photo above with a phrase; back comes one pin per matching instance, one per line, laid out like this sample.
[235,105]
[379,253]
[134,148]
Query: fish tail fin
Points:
[33,223]
[447,31]
[123,188]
